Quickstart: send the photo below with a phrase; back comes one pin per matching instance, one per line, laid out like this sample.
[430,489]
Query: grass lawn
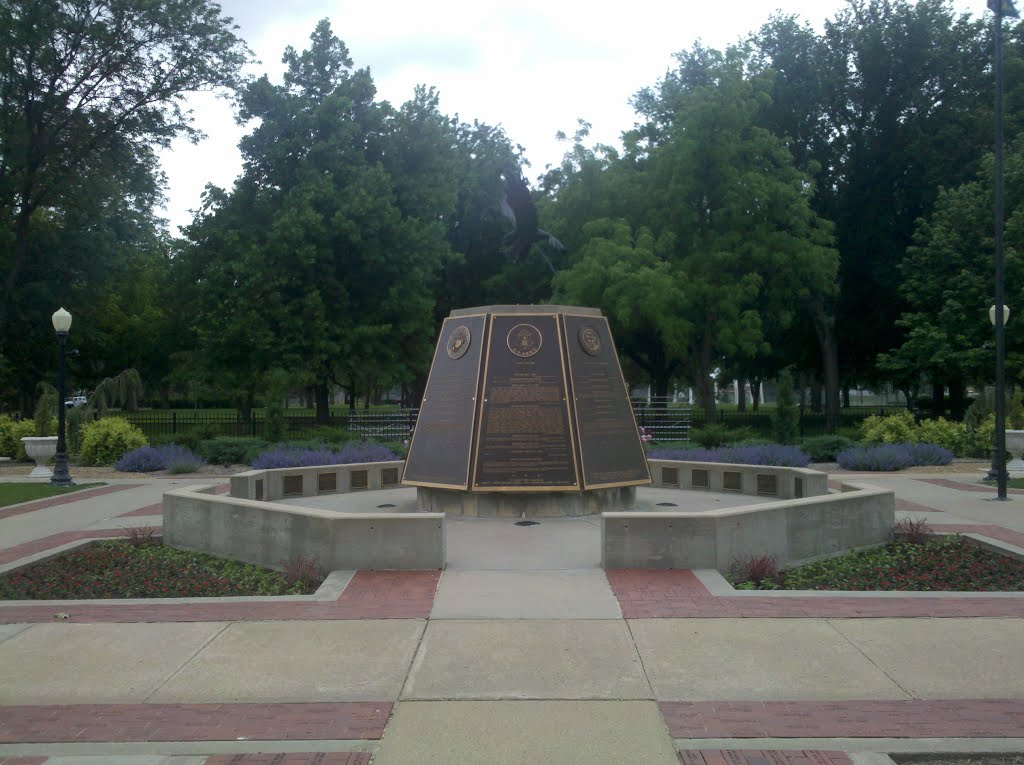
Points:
[948,563]
[13,493]
[143,568]
[1013,483]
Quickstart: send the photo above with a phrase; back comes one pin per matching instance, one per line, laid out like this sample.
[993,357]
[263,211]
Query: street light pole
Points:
[1000,8]
[61,476]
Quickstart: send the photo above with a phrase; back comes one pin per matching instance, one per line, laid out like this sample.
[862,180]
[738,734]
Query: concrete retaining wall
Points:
[755,480]
[279,483]
[794,531]
[271,534]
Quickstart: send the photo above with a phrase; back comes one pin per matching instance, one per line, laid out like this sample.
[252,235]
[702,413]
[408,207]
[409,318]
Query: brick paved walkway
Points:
[647,594]
[51,723]
[949,483]
[916,718]
[11,554]
[370,595]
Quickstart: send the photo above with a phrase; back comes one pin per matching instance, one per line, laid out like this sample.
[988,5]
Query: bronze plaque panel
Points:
[610,449]
[525,436]
[443,440]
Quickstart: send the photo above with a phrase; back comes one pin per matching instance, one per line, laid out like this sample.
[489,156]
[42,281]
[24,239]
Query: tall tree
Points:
[322,258]
[729,219]
[88,90]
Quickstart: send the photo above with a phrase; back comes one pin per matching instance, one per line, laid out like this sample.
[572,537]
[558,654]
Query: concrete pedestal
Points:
[529,504]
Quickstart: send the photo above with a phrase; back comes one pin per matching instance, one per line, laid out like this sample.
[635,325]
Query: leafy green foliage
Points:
[106,441]
[893,429]
[232,450]
[942,432]
[786,417]
[825,448]
[277,389]
[11,433]
[89,92]
[121,569]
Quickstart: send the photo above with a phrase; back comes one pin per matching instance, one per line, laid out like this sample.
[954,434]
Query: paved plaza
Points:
[522,651]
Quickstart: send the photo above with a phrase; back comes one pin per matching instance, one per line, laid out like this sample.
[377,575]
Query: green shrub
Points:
[985,405]
[895,429]
[231,450]
[825,448]
[190,438]
[327,435]
[786,417]
[105,441]
[978,441]
[11,433]
[942,432]
[277,389]
[711,435]
[45,416]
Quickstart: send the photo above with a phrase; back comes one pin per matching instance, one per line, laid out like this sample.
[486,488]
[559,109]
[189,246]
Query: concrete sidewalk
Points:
[522,651]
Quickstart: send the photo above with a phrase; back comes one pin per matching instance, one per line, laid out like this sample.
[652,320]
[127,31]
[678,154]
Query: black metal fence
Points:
[665,423]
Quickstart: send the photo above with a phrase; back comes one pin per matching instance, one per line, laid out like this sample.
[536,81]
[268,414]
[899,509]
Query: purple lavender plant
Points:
[761,454]
[298,456]
[148,459]
[883,458]
[930,454]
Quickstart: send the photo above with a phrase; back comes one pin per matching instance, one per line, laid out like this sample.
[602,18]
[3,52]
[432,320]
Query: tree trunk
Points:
[846,396]
[816,396]
[741,395]
[705,385]
[825,329]
[938,398]
[322,403]
[351,397]
[755,392]
[957,400]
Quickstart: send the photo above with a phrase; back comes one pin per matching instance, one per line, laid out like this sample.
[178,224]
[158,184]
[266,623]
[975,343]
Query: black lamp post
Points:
[61,477]
[1000,8]
[999,446]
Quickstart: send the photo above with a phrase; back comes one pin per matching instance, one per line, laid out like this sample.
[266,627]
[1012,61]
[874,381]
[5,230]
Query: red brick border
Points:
[915,718]
[652,594]
[74,723]
[22,760]
[987,530]
[43,544]
[292,758]
[63,499]
[949,483]
[370,595]
[156,508]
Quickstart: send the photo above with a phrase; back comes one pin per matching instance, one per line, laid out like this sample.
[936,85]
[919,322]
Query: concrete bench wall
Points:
[794,531]
[753,480]
[270,534]
[281,483]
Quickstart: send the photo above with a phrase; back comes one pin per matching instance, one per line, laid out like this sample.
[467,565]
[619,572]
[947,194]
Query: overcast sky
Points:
[532,66]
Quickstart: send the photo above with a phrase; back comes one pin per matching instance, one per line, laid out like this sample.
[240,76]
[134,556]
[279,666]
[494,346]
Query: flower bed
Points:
[121,569]
[762,454]
[951,563]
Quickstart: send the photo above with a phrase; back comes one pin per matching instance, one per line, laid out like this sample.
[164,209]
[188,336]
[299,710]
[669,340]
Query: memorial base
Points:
[549,504]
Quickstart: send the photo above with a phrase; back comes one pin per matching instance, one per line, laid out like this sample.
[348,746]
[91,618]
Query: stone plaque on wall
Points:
[610,447]
[442,442]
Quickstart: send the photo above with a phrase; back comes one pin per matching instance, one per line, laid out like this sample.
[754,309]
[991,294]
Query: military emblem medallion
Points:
[458,342]
[524,340]
[590,340]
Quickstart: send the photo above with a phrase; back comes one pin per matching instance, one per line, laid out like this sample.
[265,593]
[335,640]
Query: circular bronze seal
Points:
[524,340]
[590,340]
[458,342]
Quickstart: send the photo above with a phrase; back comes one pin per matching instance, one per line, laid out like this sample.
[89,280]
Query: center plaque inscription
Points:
[525,438]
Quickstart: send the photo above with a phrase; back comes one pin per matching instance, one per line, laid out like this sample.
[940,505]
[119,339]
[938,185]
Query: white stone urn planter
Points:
[1015,446]
[41,449]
